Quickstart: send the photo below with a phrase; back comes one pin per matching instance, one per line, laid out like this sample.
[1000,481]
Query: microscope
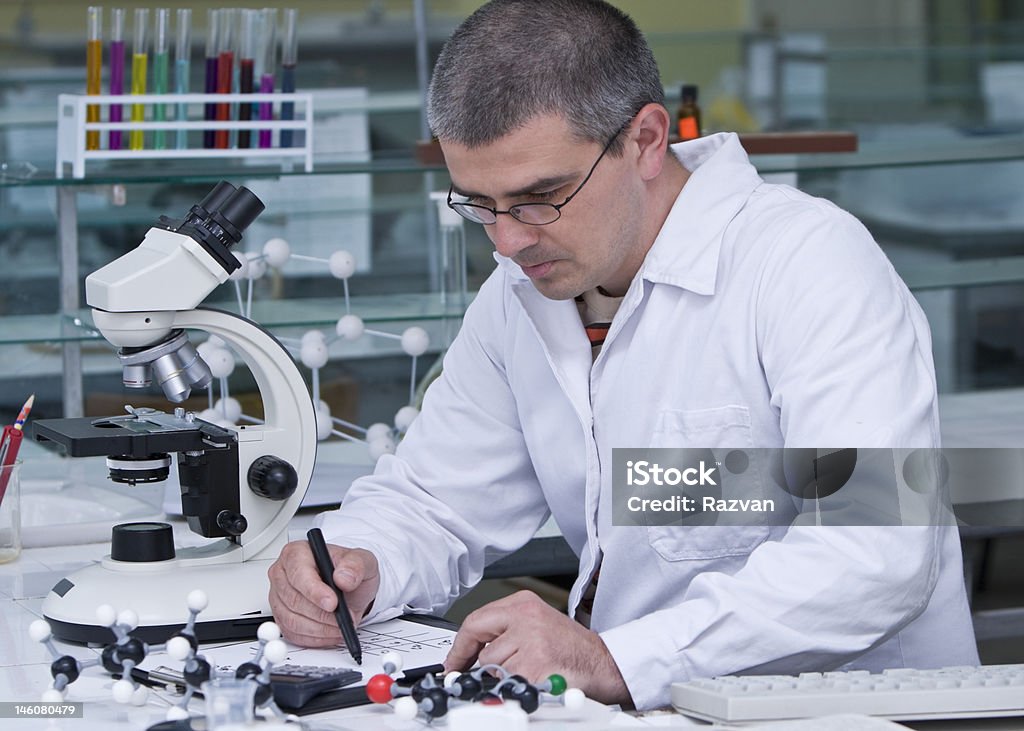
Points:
[239,485]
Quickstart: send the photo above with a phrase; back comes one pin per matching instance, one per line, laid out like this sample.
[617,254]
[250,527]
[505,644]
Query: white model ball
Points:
[312,336]
[228,409]
[324,425]
[405,417]
[278,252]
[122,690]
[342,264]
[197,600]
[257,265]
[323,406]
[178,648]
[380,447]
[106,615]
[243,271]
[314,354]
[52,695]
[140,695]
[415,341]
[39,630]
[268,631]
[406,708]
[220,361]
[210,415]
[128,618]
[176,713]
[275,651]
[380,430]
[574,699]
[391,658]
[350,327]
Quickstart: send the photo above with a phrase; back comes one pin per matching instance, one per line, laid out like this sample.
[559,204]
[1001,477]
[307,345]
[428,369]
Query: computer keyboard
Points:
[900,694]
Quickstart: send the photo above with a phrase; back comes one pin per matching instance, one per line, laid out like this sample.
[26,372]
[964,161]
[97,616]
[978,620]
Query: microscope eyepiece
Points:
[241,209]
[219,220]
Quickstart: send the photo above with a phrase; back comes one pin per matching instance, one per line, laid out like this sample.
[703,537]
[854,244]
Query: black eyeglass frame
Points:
[557,207]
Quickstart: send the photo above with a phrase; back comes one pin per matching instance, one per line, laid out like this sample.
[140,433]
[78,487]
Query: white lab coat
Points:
[761,317]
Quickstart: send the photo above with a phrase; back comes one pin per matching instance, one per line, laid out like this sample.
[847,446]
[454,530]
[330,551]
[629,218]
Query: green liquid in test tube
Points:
[182,51]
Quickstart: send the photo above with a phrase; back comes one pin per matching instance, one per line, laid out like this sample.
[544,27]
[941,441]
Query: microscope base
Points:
[237,594]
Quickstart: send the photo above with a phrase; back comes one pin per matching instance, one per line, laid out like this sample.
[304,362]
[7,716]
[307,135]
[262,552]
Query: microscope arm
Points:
[288,431]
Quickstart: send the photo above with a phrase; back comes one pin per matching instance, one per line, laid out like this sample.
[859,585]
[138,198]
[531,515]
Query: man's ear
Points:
[649,132]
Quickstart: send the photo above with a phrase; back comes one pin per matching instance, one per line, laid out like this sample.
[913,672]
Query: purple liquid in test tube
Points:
[266,109]
[116,87]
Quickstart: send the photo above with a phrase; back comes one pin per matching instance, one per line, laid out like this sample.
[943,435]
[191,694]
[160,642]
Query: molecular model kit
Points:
[487,695]
[126,653]
[311,350]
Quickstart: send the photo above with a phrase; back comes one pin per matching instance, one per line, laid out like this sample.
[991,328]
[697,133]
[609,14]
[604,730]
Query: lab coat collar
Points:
[685,253]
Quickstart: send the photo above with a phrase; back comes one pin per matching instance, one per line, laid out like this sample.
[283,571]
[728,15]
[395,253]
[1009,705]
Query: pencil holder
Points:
[10,512]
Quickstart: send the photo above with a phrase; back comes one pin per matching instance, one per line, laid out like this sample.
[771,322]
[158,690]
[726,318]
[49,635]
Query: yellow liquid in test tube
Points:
[93,70]
[136,140]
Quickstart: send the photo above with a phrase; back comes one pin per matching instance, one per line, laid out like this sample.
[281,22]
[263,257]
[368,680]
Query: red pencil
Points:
[11,442]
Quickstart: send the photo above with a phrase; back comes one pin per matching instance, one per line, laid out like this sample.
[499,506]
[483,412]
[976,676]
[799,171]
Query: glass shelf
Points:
[315,312]
[207,171]
[981,145]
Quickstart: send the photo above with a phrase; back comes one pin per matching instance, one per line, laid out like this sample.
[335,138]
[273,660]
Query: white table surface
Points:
[987,419]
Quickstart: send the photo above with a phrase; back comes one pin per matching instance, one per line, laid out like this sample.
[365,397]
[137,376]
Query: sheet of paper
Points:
[418,644]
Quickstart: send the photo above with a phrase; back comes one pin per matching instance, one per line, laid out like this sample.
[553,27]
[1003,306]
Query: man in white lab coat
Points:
[723,312]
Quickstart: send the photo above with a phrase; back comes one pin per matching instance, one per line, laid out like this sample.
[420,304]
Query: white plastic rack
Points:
[72,126]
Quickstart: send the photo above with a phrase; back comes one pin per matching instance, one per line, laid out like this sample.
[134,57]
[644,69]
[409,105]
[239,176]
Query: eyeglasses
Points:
[534,214]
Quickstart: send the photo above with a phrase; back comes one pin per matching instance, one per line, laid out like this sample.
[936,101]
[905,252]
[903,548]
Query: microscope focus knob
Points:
[273,478]
[232,523]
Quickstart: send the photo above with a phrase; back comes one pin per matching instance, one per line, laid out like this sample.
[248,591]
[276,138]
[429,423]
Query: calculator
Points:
[295,685]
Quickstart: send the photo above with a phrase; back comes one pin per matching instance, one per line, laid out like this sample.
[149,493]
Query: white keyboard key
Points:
[898,694]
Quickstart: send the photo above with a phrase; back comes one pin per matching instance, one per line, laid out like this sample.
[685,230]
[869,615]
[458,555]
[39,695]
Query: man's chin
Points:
[557,290]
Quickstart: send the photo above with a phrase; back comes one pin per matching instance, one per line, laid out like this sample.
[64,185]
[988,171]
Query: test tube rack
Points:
[72,126]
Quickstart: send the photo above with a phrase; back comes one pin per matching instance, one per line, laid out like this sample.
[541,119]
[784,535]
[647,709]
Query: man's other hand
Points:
[528,637]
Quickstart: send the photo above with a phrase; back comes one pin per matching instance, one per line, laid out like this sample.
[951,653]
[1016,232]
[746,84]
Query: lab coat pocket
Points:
[706,534]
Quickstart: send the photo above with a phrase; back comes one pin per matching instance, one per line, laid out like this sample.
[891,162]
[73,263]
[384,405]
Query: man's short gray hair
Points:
[513,60]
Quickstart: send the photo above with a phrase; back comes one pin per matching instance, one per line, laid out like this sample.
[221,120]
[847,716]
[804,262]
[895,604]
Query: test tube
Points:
[116,73]
[182,51]
[246,63]
[93,71]
[161,71]
[140,61]
[267,60]
[212,34]
[225,72]
[289,59]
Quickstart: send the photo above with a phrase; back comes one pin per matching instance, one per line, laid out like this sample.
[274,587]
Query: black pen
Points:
[325,566]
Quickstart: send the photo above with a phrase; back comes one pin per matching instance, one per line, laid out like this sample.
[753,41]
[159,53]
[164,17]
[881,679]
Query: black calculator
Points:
[295,685]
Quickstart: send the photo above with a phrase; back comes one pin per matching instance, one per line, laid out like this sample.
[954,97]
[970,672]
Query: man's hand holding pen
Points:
[303,605]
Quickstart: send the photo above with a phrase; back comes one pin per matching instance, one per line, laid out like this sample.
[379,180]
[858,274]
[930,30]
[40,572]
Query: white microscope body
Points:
[142,303]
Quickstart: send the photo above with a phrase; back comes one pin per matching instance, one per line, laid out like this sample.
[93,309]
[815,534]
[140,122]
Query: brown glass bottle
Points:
[688,117]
